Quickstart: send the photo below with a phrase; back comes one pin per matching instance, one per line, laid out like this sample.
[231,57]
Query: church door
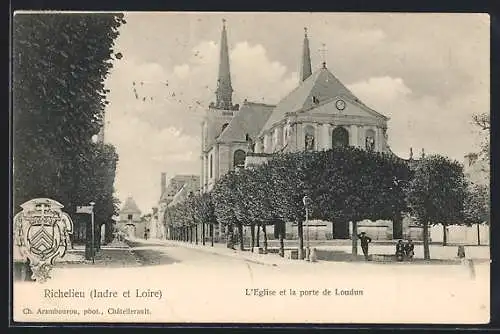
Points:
[340,137]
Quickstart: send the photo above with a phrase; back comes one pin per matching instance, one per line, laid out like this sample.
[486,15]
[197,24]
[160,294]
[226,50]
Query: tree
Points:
[60,62]
[483,122]
[436,194]
[291,176]
[207,214]
[225,203]
[477,206]
[263,199]
[355,184]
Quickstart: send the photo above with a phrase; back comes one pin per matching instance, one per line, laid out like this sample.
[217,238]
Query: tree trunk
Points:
[282,242]
[427,255]
[444,235]
[229,236]
[300,230]
[252,231]
[196,233]
[478,236]
[354,238]
[212,235]
[265,237]
[203,233]
[397,232]
[240,235]
[258,236]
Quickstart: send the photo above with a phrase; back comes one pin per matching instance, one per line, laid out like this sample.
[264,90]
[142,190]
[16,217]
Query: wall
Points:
[461,234]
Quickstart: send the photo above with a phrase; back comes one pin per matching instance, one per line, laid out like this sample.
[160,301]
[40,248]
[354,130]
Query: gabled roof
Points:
[322,84]
[248,120]
[130,206]
[176,183]
[184,192]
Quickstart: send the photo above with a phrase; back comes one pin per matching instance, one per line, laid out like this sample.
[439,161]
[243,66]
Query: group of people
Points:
[405,250]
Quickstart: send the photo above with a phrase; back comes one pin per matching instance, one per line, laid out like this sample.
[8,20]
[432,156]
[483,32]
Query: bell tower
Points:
[218,115]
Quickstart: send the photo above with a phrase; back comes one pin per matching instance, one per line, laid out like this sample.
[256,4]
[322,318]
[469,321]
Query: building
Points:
[178,188]
[320,113]
[130,221]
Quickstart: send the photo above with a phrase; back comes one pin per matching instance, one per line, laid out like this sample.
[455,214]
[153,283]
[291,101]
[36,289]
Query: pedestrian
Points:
[365,240]
[400,250]
[409,249]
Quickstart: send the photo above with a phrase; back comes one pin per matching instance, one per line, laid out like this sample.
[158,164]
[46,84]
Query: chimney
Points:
[163,183]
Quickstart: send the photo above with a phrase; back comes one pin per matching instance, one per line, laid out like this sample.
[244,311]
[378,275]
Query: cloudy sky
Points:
[428,72]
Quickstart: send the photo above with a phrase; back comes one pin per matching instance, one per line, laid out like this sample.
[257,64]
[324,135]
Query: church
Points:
[320,113]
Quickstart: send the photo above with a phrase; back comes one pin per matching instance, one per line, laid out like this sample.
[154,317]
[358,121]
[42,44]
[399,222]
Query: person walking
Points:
[365,240]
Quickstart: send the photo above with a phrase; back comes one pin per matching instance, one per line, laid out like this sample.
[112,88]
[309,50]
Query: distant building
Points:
[130,221]
[177,189]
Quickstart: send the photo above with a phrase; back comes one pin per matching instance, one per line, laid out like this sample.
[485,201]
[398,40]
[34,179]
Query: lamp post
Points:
[92,224]
[307,201]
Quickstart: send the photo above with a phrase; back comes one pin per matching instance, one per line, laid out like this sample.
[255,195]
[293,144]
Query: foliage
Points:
[436,193]
[354,184]
[477,204]
[60,63]
[225,199]
[483,122]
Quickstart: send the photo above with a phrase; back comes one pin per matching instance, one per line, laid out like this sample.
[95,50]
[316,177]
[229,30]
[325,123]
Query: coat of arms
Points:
[41,233]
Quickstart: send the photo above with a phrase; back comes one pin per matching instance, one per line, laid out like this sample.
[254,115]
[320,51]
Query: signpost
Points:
[89,209]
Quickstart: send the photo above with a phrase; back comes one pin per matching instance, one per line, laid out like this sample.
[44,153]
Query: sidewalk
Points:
[437,252]
[113,254]
[220,249]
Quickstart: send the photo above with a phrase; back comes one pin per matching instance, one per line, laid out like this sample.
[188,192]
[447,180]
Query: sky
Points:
[429,73]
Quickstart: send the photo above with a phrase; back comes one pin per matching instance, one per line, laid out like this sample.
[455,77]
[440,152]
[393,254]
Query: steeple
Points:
[305,70]
[224,90]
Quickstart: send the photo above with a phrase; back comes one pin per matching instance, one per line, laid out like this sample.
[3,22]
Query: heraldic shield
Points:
[41,233]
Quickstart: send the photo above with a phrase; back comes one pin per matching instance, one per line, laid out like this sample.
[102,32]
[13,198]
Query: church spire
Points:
[305,70]
[224,90]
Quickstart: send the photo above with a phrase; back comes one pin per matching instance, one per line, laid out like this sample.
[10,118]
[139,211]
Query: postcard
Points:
[250,167]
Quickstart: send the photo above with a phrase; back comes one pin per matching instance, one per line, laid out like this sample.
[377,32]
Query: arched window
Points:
[239,159]
[309,142]
[211,165]
[370,140]
[340,137]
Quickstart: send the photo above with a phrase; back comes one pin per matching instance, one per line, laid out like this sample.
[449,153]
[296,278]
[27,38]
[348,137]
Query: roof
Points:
[184,192]
[176,183]
[322,84]
[130,206]
[248,120]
